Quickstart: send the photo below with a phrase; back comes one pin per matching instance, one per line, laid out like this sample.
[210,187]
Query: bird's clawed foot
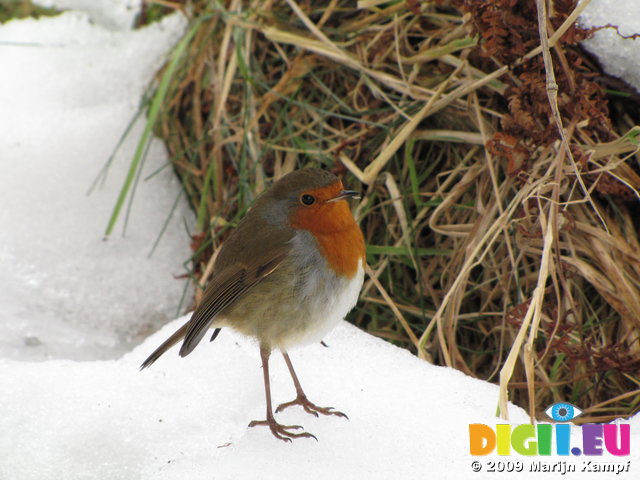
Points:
[311,408]
[282,431]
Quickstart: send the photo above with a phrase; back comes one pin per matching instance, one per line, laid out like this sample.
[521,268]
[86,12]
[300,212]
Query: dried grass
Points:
[517,263]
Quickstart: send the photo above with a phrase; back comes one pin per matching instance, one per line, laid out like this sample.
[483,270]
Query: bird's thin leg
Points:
[301,399]
[279,431]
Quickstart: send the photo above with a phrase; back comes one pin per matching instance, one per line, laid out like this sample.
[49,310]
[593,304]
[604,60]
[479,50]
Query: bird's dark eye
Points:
[307,199]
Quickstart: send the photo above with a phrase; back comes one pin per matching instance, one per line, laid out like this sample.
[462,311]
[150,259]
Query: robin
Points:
[290,271]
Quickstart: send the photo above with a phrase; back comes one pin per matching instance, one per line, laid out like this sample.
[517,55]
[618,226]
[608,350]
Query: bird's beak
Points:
[344,194]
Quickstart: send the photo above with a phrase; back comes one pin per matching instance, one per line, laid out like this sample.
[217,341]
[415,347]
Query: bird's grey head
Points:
[292,185]
[288,192]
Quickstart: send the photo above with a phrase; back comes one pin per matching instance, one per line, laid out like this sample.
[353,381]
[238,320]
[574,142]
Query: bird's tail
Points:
[166,345]
[170,342]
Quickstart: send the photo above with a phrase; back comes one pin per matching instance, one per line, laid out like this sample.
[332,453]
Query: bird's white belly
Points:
[328,300]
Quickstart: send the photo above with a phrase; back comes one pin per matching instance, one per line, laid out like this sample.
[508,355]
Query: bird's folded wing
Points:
[227,287]
[252,252]
[223,289]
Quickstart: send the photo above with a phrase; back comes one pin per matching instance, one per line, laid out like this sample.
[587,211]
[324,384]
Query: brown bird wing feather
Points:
[221,294]
[231,279]
[166,345]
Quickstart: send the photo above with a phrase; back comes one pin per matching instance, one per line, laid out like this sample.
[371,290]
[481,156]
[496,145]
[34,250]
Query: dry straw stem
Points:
[516,269]
[532,318]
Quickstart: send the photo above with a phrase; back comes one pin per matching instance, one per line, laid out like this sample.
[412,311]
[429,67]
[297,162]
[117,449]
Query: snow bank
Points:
[619,56]
[68,89]
[186,418]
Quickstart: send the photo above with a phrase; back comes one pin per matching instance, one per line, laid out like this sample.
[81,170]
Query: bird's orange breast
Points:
[339,238]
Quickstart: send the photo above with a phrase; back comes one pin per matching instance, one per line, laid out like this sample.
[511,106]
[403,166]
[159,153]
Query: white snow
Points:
[68,87]
[619,56]
[186,418]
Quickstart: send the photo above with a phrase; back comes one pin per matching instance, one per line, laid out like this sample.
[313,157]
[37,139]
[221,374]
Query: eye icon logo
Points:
[563,412]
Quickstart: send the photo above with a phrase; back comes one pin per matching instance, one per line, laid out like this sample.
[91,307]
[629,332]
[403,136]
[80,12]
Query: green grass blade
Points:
[154,110]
